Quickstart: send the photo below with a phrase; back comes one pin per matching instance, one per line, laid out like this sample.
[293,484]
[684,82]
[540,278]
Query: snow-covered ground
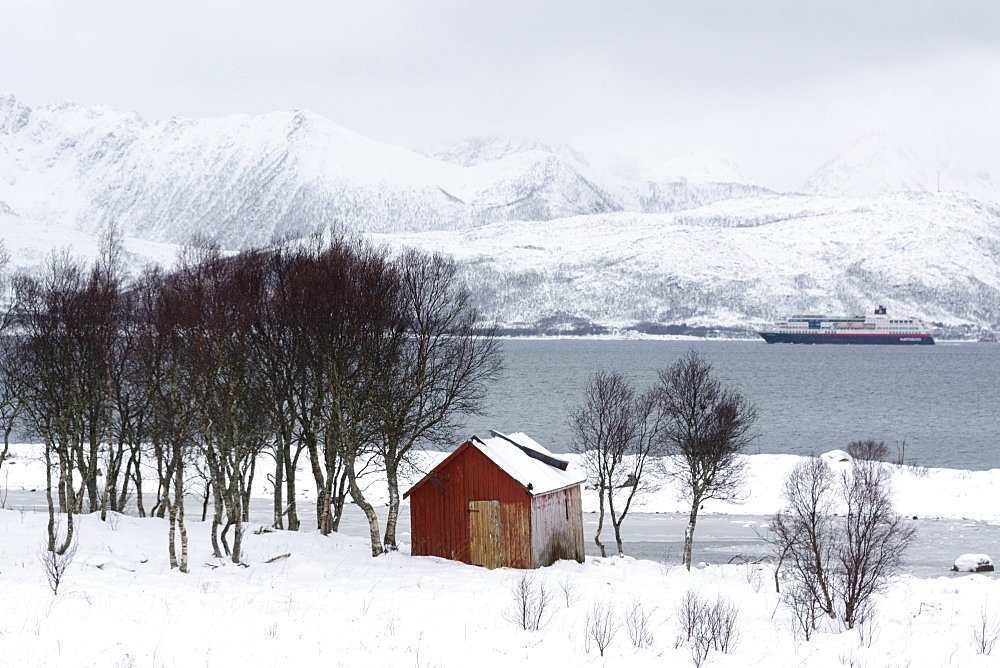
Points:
[328,601]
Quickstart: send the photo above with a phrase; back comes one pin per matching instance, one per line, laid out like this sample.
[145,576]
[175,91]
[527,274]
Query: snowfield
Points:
[306,599]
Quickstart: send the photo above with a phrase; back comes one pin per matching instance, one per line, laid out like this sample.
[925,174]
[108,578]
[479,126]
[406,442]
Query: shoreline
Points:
[923,492]
[638,336]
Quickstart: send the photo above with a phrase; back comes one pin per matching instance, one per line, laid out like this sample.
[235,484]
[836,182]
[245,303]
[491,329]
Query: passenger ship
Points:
[877,328]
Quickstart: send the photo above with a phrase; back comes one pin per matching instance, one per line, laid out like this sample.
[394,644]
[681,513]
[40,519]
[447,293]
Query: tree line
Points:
[326,352]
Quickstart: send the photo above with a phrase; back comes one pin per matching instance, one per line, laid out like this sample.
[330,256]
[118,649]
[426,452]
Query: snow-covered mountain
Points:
[246,180]
[879,164]
[544,235]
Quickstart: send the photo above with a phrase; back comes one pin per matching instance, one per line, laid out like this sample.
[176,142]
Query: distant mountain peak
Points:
[879,164]
[874,165]
[700,167]
[479,150]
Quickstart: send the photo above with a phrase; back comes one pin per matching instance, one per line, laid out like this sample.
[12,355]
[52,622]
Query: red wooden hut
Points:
[503,501]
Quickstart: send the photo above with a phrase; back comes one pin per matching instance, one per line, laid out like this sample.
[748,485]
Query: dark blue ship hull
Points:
[852,339]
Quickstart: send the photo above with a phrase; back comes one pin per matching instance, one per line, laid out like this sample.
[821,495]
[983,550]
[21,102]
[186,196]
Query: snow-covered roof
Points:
[525,461]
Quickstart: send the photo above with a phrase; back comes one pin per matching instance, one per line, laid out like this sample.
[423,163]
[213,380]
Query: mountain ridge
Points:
[247,180]
[541,234]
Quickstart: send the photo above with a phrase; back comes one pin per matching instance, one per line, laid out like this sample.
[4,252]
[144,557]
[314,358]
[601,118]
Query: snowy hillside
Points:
[30,243]
[740,262]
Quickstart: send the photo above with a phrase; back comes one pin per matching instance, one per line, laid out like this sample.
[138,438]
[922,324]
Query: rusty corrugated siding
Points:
[557,527]
[439,509]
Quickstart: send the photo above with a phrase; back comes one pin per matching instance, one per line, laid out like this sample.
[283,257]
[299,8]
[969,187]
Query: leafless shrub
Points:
[872,451]
[698,656]
[868,627]
[638,626]
[568,589]
[690,613]
[530,607]
[916,470]
[900,452]
[55,564]
[851,661]
[871,546]
[601,626]
[986,632]
[801,602]
[753,570]
[723,630]
[841,565]
[706,627]
[3,492]
[930,608]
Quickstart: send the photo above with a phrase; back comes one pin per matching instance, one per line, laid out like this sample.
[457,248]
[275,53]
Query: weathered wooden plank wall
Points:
[557,527]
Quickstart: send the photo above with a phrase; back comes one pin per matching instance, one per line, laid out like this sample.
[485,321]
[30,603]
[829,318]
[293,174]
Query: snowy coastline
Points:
[329,601]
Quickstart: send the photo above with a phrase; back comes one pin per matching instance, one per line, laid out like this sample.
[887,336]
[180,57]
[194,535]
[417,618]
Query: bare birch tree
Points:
[369,331]
[440,369]
[284,358]
[838,566]
[874,539]
[234,423]
[804,532]
[618,435]
[53,389]
[341,295]
[11,374]
[707,428]
[11,377]
[164,358]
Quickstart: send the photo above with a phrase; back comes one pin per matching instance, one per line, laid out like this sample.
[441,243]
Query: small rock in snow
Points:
[973,563]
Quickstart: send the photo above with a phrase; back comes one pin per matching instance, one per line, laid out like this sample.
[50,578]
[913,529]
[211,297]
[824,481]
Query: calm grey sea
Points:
[941,400]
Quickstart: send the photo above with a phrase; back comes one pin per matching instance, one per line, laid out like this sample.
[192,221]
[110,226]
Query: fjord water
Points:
[941,400]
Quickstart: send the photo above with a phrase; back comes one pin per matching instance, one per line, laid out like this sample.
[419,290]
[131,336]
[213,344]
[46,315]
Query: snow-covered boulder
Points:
[973,563]
[835,456]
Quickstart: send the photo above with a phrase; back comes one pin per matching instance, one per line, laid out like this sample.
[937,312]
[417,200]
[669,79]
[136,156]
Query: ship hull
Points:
[849,339]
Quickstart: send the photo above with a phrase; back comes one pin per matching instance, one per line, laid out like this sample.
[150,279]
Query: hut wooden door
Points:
[484,534]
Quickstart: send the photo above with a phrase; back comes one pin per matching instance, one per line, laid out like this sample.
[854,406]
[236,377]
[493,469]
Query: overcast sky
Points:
[779,86]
